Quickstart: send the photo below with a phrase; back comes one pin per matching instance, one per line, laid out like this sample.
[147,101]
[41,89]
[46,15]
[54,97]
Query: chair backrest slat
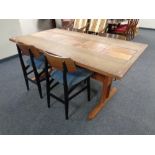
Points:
[35,51]
[25,50]
[67,23]
[80,23]
[57,62]
[132,23]
[97,25]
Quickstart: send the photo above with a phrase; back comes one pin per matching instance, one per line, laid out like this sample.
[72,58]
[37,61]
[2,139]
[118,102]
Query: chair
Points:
[97,26]
[67,24]
[81,25]
[35,63]
[127,30]
[67,74]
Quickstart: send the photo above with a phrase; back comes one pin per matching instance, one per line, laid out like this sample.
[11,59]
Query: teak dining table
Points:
[108,58]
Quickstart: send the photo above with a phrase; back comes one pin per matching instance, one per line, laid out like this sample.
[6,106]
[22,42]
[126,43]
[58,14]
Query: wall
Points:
[14,27]
[34,25]
[8,28]
[28,26]
[58,23]
[147,23]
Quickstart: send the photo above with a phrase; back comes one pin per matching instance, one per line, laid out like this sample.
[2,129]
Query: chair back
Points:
[97,25]
[132,23]
[80,23]
[35,51]
[58,62]
[25,50]
[131,28]
[136,22]
[67,23]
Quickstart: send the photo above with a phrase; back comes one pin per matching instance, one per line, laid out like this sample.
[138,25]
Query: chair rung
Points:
[32,80]
[72,88]
[51,81]
[27,67]
[29,72]
[75,86]
[42,72]
[54,85]
[54,96]
[77,92]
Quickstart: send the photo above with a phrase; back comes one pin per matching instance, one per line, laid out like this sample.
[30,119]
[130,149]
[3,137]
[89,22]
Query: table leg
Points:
[107,93]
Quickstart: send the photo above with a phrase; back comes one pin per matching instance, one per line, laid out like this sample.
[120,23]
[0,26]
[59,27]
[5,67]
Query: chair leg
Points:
[23,69]
[66,110]
[37,77]
[39,88]
[27,83]
[48,87]
[66,102]
[38,82]
[88,88]
[48,95]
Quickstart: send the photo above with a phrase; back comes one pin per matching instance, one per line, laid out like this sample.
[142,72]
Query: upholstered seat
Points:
[122,25]
[121,28]
[39,62]
[73,78]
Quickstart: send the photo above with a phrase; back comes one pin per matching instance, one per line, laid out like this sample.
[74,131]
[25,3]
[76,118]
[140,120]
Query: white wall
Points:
[58,23]
[34,25]
[28,26]
[147,23]
[8,28]
[15,27]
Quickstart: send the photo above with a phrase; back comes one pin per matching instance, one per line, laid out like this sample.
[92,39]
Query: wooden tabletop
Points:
[106,56]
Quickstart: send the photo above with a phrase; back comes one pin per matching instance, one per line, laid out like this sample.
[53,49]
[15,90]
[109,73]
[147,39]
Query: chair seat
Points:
[39,63]
[121,29]
[122,25]
[72,78]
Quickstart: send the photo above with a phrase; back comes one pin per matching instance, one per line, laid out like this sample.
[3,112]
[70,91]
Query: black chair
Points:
[66,73]
[35,64]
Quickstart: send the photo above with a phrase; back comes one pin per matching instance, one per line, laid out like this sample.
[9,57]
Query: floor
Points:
[130,111]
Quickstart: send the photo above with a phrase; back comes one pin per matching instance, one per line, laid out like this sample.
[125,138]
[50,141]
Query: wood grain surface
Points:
[106,56]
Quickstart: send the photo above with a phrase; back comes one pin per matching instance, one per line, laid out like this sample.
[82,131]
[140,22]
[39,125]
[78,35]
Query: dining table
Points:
[109,59]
